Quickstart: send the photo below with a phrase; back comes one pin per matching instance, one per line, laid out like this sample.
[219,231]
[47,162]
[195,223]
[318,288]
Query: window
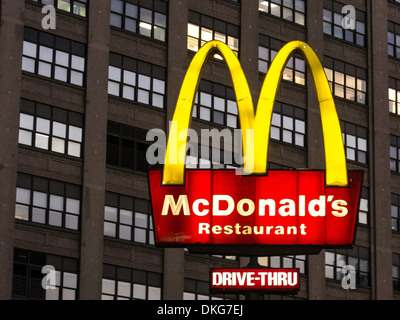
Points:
[136,80]
[50,128]
[121,283]
[77,7]
[289,262]
[48,202]
[288,124]
[333,18]
[395,153]
[394,96]
[202,28]
[53,57]
[355,139]
[394,40]
[27,276]
[290,10]
[395,206]
[199,290]
[202,157]
[126,146]
[128,218]
[396,272]
[347,81]
[358,258]
[216,103]
[149,19]
[363,212]
[295,70]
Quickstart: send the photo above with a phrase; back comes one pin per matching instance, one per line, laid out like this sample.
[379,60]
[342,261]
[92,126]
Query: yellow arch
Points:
[335,159]
[174,169]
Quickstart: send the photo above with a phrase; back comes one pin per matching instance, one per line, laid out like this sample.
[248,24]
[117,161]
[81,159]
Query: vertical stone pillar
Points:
[11,39]
[381,236]
[91,257]
[316,156]
[174,259]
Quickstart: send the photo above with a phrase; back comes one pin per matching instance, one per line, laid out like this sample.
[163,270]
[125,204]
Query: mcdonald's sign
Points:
[255,212]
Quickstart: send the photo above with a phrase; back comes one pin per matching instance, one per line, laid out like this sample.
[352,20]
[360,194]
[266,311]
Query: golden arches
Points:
[336,172]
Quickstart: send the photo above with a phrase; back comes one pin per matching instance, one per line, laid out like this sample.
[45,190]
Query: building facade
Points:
[77,102]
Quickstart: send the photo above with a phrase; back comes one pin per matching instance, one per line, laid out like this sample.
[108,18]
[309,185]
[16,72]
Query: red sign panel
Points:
[219,207]
[232,280]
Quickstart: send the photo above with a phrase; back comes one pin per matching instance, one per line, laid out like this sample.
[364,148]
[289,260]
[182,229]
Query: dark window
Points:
[395,153]
[394,40]
[28,276]
[395,206]
[126,146]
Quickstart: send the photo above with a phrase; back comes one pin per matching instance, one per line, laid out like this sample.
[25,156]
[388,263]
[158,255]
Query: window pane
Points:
[141,220]
[21,212]
[125,216]
[73,206]
[56,202]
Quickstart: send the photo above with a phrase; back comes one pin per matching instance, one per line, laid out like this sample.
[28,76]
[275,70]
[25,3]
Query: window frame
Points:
[48,59]
[57,118]
[156,7]
[267,9]
[42,205]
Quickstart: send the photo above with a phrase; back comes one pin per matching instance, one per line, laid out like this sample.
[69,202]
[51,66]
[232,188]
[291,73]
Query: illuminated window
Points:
[289,124]
[53,57]
[148,19]
[395,153]
[290,10]
[355,139]
[394,96]
[396,272]
[27,276]
[394,40]
[346,81]
[363,212]
[333,18]
[216,103]
[128,218]
[395,212]
[48,202]
[50,128]
[126,146]
[121,283]
[202,28]
[268,48]
[358,257]
[199,290]
[136,80]
[77,7]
